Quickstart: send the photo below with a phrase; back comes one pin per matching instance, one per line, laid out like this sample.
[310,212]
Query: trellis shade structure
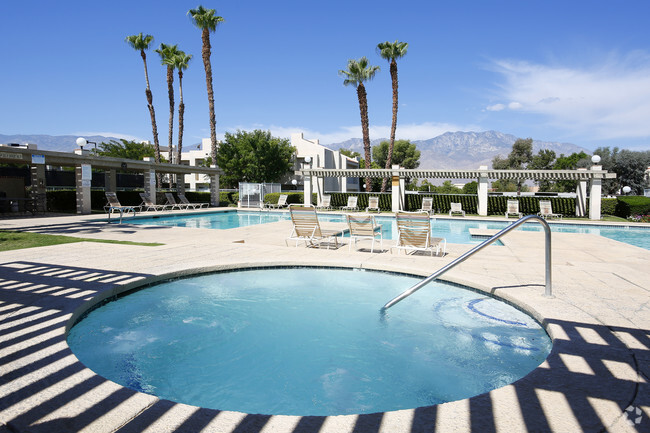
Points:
[594,176]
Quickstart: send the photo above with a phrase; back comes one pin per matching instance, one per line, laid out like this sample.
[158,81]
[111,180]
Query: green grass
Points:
[10,240]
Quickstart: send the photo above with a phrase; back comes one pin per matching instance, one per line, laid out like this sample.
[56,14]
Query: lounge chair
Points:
[184,200]
[325,203]
[414,234]
[546,210]
[282,202]
[364,227]
[373,204]
[148,205]
[113,205]
[306,228]
[456,208]
[171,201]
[513,208]
[427,204]
[352,203]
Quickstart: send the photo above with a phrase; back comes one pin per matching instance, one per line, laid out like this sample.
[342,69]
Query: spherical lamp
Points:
[626,190]
[595,159]
[294,182]
[81,142]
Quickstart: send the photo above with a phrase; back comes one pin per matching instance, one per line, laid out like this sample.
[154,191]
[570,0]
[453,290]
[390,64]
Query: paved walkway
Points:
[599,321]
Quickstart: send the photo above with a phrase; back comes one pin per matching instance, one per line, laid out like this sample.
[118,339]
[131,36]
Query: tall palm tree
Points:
[392,51]
[181,61]
[167,54]
[142,43]
[207,21]
[357,72]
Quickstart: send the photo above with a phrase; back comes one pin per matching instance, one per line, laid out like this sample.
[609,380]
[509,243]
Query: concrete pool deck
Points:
[599,321]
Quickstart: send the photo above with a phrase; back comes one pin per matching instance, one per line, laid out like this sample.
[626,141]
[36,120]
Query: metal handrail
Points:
[548,291]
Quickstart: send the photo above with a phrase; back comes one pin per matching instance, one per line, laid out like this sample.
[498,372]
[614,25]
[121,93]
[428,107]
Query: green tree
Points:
[167,55]
[142,43]
[254,157]
[181,62]
[629,167]
[544,160]
[350,153]
[448,188]
[518,159]
[571,162]
[470,188]
[207,21]
[392,51]
[125,149]
[405,154]
[357,72]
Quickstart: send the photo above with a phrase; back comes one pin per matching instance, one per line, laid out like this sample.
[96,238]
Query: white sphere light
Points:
[294,182]
[307,159]
[81,142]
[626,190]
[595,159]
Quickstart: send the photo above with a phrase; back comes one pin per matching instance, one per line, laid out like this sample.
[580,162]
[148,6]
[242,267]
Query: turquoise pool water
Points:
[307,341]
[454,230]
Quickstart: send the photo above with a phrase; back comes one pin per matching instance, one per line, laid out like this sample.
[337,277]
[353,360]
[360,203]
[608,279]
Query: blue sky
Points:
[569,71]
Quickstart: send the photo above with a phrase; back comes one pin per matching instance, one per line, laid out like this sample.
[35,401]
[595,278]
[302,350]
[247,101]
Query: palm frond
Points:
[139,42]
[205,18]
[358,71]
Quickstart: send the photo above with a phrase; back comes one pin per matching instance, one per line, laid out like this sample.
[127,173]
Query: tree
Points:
[392,52]
[125,149]
[254,157]
[571,162]
[167,55]
[405,154]
[142,43]
[518,159]
[207,21]
[544,160]
[470,188]
[181,62]
[357,72]
[629,167]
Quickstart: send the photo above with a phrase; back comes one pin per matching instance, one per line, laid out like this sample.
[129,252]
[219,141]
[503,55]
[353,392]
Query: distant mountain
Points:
[465,150]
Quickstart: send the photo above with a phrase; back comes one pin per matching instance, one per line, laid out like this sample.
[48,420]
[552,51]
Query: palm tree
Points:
[181,61]
[167,54]
[142,43]
[392,52]
[357,72]
[207,21]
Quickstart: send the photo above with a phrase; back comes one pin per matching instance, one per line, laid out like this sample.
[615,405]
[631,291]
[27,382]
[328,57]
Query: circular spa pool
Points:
[308,341]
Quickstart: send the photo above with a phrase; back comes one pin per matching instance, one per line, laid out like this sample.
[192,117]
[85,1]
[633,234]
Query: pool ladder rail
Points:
[548,292]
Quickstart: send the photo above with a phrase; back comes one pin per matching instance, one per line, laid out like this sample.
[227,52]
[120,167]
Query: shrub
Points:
[608,206]
[634,205]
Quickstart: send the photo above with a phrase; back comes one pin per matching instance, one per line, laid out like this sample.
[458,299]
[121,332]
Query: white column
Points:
[307,193]
[581,197]
[215,199]
[482,192]
[395,194]
[150,184]
[83,177]
[594,196]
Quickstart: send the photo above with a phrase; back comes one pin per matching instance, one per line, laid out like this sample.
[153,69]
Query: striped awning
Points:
[461,174]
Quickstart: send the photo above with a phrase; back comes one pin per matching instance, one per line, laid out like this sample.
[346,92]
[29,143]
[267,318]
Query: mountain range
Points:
[460,150]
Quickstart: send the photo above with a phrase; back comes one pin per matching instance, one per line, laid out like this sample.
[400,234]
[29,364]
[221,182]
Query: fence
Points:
[252,194]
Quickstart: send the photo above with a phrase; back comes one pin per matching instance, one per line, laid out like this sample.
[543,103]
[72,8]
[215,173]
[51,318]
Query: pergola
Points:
[84,162]
[594,176]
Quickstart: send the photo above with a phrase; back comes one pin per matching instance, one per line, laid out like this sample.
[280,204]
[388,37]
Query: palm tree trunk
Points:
[170,93]
[205,52]
[181,112]
[152,113]
[389,158]
[363,108]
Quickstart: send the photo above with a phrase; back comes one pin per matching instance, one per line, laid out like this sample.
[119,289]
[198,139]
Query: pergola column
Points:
[482,192]
[38,192]
[594,195]
[307,190]
[396,194]
[110,180]
[150,184]
[581,197]
[83,178]
[215,198]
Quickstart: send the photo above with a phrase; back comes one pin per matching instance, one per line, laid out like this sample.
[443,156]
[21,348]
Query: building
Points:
[196,156]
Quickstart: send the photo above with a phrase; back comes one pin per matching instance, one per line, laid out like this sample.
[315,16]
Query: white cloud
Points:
[412,131]
[605,101]
[495,107]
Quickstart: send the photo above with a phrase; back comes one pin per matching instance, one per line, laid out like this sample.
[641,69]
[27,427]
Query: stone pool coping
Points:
[599,323]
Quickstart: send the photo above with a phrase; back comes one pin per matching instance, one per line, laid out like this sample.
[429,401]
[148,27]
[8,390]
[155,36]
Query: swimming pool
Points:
[454,230]
[308,341]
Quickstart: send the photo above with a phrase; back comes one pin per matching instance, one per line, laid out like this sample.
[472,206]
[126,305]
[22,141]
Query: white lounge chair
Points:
[325,203]
[282,202]
[171,201]
[148,205]
[184,200]
[513,208]
[364,227]
[456,208]
[427,204]
[113,205]
[352,203]
[373,204]
[307,229]
[546,210]
[414,234]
